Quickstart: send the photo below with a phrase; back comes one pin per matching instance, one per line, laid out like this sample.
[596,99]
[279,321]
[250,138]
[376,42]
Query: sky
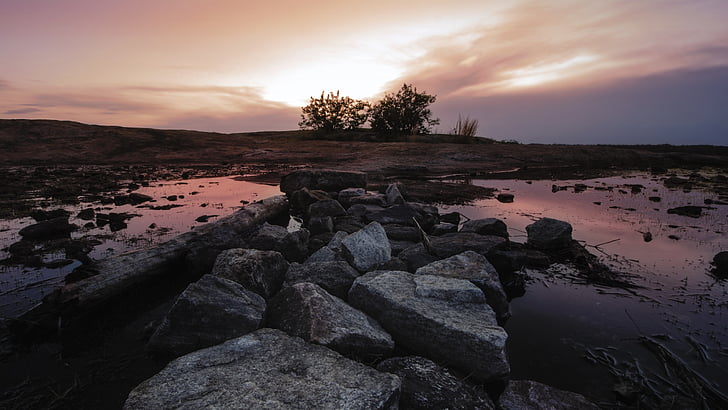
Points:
[549,71]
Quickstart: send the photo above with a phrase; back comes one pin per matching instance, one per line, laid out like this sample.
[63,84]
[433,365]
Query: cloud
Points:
[20,111]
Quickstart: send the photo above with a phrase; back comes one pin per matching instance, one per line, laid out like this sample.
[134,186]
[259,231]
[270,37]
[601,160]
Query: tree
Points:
[334,112]
[405,112]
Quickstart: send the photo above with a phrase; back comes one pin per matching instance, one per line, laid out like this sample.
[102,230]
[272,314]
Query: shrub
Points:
[466,127]
[406,112]
[334,112]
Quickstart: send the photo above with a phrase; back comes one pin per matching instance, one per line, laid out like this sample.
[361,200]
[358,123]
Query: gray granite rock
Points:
[436,317]
[530,395]
[259,271]
[334,276]
[266,369]
[330,252]
[309,312]
[367,248]
[454,243]
[549,234]
[486,226]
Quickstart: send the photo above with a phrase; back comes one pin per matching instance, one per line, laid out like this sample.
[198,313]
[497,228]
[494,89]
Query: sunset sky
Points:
[572,71]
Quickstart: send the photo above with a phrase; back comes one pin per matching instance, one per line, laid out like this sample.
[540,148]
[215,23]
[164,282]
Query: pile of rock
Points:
[311,318]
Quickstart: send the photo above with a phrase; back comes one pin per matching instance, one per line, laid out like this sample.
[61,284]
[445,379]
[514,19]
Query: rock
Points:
[398,214]
[369,199]
[475,268]
[259,271]
[324,179]
[549,234]
[416,256]
[346,194]
[309,312]
[505,198]
[443,228]
[530,395]
[402,233]
[452,218]
[136,198]
[87,214]
[394,197]
[367,248]
[266,369]
[292,245]
[362,209]
[675,182]
[487,226]
[394,264]
[41,215]
[330,252]
[302,198]
[691,211]
[720,262]
[425,385]
[8,342]
[454,243]
[348,224]
[440,318]
[399,246]
[334,276]
[210,311]
[320,224]
[655,198]
[48,229]
[328,207]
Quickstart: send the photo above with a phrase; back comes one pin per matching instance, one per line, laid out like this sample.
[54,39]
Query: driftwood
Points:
[192,253]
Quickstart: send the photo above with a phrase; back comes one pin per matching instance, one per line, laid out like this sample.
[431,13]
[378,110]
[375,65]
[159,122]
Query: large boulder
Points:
[292,245]
[402,233]
[416,256]
[328,207]
[425,385]
[486,226]
[262,272]
[210,311]
[302,198]
[475,268]
[454,243]
[331,251]
[266,369]
[398,214]
[323,179]
[367,248]
[334,276]
[309,312]
[346,194]
[530,395]
[48,229]
[441,318]
[549,234]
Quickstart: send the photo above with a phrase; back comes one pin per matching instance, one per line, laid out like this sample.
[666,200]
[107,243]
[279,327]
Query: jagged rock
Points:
[393,195]
[425,385]
[266,369]
[530,395]
[451,244]
[210,311]
[323,179]
[440,318]
[549,234]
[416,256]
[348,224]
[48,229]
[335,276]
[367,248]
[399,246]
[328,207]
[443,228]
[322,224]
[292,245]
[259,271]
[369,199]
[475,268]
[346,194]
[330,252]
[487,226]
[402,233]
[720,263]
[394,264]
[309,312]
[302,198]
[398,214]
[452,218]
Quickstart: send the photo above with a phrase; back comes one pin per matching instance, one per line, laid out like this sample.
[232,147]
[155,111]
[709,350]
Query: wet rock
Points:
[505,198]
[259,271]
[402,232]
[443,228]
[266,369]
[334,276]
[549,234]
[292,245]
[367,248]
[398,214]
[87,214]
[136,198]
[486,226]
[48,229]
[41,215]
[530,395]
[475,268]
[675,182]
[720,262]
[454,243]
[210,311]
[440,318]
[325,180]
[647,236]
[116,221]
[309,312]
[171,198]
[302,198]
[346,194]
[393,195]
[425,385]
[204,218]
[330,252]
[691,211]
[369,199]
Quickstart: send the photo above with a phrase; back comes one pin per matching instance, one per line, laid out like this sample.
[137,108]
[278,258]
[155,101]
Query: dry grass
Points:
[466,127]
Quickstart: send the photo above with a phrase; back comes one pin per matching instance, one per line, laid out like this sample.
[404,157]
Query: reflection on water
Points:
[558,323]
[180,206]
